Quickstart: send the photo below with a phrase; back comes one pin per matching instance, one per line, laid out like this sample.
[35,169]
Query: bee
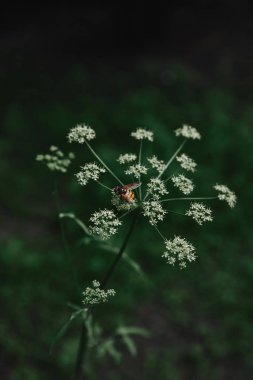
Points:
[126,192]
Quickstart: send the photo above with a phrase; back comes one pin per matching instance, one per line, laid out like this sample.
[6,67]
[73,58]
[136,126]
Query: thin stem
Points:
[168,164]
[101,184]
[102,162]
[175,212]
[159,232]
[120,253]
[140,154]
[80,353]
[187,199]
[172,158]
[83,336]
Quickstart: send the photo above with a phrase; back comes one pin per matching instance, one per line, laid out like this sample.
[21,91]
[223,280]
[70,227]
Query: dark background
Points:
[117,67]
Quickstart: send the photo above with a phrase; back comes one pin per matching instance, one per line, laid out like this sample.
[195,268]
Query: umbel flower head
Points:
[188,132]
[200,213]
[143,134]
[136,170]
[153,211]
[186,162]
[178,249]
[184,184]
[156,188]
[104,224]
[226,195]
[127,157]
[148,194]
[56,160]
[80,133]
[95,295]
[159,165]
[89,171]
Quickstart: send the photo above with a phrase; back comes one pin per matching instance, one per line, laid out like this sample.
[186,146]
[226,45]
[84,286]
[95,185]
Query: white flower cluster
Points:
[56,160]
[186,162]
[225,194]
[143,134]
[159,165]
[127,157]
[136,170]
[121,204]
[178,249]
[105,224]
[188,132]
[80,133]
[89,171]
[153,211]
[156,188]
[96,295]
[200,213]
[184,184]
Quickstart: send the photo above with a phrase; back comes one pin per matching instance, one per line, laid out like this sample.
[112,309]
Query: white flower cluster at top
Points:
[104,224]
[153,211]
[80,133]
[56,160]
[127,157]
[143,134]
[178,249]
[184,184]
[188,132]
[89,171]
[159,165]
[136,170]
[200,213]
[225,194]
[186,162]
[96,295]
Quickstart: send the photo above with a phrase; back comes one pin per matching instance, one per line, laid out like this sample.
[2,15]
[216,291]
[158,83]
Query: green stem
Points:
[81,353]
[187,199]
[102,162]
[120,253]
[159,232]
[101,184]
[172,158]
[83,336]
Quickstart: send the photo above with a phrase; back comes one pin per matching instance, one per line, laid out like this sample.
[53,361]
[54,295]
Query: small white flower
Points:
[80,133]
[56,160]
[225,194]
[97,295]
[159,165]
[184,184]
[136,170]
[188,132]
[200,213]
[156,187]
[179,250]
[105,224]
[143,134]
[186,162]
[89,171]
[154,211]
[127,157]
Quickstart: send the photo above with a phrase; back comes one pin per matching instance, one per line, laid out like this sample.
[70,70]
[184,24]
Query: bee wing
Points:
[132,185]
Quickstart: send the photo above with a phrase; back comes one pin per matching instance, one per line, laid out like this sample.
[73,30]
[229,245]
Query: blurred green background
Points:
[200,319]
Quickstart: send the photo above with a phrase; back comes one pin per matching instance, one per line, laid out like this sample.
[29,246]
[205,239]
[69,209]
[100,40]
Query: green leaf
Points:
[64,329]
[108,347]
